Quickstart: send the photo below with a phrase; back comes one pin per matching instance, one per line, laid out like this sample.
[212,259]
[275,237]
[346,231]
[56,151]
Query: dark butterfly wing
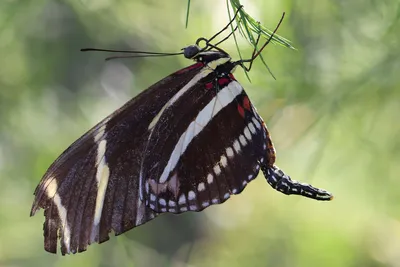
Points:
[213,144]
[93,187]
[205,154]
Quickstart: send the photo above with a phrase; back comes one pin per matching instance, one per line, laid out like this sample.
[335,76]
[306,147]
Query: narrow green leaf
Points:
[187,14]
[252,26]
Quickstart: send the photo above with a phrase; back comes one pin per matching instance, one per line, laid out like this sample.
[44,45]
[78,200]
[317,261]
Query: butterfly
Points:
[190,141]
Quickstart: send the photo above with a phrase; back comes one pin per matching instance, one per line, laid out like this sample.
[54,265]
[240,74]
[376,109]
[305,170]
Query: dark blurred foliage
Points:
[333,113]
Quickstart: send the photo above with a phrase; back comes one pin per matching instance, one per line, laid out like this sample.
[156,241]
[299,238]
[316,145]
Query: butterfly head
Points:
[191,51]
[206,56]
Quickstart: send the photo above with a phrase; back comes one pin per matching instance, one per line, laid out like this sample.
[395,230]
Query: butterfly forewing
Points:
[93,187]
[208,152]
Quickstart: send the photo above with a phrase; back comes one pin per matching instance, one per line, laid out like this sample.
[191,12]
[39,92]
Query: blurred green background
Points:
[333,113]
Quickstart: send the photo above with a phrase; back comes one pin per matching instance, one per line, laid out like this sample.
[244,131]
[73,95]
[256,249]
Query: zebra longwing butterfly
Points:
[189,141]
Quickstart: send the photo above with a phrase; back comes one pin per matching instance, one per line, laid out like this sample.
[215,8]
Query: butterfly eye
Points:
[191,51]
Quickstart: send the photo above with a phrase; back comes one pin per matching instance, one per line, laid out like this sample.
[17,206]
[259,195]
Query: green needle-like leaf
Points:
[252,26]
[248,27]
[187,14]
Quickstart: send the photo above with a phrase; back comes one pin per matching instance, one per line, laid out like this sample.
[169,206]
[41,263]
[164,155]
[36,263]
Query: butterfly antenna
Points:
[150,55]
[128,51]
[138,53]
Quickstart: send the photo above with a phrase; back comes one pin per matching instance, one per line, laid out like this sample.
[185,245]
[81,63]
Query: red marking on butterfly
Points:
[246,103]
[240,110]
[223,81]
[191,67]
[232,77]
[209,85]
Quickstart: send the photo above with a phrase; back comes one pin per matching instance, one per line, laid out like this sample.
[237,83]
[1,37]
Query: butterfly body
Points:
[189,141]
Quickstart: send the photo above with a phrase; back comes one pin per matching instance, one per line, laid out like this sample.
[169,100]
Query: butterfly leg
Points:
[282,183]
